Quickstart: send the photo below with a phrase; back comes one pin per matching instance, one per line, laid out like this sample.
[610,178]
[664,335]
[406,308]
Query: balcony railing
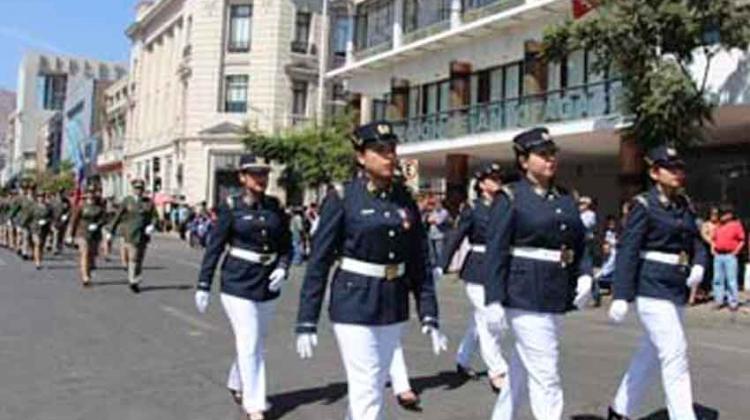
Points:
[588,101]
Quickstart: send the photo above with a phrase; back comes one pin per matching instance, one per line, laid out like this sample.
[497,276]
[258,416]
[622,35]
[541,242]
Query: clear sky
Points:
[86,28]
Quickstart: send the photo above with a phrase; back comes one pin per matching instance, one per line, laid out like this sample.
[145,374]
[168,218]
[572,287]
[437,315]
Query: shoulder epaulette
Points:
[688,202]
[642,199]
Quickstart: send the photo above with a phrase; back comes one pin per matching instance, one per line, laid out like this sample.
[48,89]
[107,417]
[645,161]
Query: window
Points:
[421,13]
[51,91]
[235,94]
[374,24]
[240,27]
[340,35]
[301,32]
[299,99]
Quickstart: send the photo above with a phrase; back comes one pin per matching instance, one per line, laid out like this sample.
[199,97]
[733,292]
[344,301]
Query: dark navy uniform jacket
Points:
[521,217]
[262,227]
[472,223]
[657,224]
[376,227]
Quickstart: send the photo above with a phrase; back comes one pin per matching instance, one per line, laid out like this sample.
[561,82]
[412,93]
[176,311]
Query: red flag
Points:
[581,7]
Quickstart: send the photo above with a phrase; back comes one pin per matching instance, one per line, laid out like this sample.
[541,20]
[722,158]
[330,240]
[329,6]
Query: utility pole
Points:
[322,61]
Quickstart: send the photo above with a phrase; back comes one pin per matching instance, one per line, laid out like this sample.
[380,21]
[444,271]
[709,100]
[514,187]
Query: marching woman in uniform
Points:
[375,228]
[40,227]
[253,229]
[91,219]
[653,269]
[534,267]
[472,224]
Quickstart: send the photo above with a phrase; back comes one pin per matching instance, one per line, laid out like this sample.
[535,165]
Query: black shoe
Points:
[496,389]
[466,372]
[612,415]
[236,396]
[135,288]
[410,404]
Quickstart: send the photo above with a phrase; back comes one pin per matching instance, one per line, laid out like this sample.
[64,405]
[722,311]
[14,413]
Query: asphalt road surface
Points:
[105,353]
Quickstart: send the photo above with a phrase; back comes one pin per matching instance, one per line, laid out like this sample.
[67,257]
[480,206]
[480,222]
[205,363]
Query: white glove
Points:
[583,291]
[149,230]
[93,227]
[618,310]
[306,342]
[107,235]
[42,222]
[277,277]
[437,274]
[696,276]
[439,340]
[64,218]
[201,300]
[494,315]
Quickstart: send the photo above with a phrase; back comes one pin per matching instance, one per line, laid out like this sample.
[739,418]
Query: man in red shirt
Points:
[728,239]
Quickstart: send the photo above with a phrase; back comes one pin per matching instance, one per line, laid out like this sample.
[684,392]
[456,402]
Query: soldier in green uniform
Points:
[41,221]
[24,219]
[136,214]
[14,205]
[91,220]
[4,209]
[61,212]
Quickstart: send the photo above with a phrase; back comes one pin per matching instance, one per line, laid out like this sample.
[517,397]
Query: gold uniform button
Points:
[391,234]
[558,211]
[387,214]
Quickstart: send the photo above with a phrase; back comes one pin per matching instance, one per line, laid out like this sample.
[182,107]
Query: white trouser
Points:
[367,352]
[249,321]
[399,374]
[534,364]
[478,332]
[663,344]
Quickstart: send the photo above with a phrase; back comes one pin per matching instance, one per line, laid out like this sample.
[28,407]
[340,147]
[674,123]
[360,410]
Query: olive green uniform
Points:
[133,217]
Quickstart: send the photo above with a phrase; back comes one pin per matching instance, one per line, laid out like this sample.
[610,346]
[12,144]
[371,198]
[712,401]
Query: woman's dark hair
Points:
[726,208]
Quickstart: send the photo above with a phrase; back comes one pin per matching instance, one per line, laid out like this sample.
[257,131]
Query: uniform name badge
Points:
[684,258]
[391,272]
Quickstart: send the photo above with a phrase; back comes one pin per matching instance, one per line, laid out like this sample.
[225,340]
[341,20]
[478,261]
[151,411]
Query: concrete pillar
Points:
[456,181]
[455,18]
[351,10]
[632,168]
[365,109]
[398,22]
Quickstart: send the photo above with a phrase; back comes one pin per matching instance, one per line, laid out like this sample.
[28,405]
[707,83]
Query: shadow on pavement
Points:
[288,401]
[145,289]
[702,413]
[96,283]
[446,379]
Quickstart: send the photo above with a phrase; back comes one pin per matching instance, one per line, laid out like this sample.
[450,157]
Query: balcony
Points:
[477,9]
[594,100]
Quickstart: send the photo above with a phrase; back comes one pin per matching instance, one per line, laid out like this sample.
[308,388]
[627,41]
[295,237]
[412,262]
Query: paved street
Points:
[104,353]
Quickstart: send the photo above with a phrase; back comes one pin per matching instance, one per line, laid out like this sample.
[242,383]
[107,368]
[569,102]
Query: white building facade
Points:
[460,78]
[201,71]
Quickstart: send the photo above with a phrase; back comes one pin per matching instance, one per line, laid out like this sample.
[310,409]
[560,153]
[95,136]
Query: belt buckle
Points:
[684,258]
[264,258]
[391,272]
[567,256]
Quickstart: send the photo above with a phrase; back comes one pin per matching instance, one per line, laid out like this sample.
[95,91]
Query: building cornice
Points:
[154,11]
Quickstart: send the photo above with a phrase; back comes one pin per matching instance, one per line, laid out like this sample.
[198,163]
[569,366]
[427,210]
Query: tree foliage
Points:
[63,179]
[651,44]
[312,155]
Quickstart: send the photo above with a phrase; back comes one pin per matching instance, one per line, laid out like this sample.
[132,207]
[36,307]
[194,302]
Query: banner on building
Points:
[581,7]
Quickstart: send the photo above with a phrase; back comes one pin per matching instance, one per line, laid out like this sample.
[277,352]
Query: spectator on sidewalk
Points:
[439,222]
[297,227]
[708,227]
[611,231]
[728,240]
[603,278]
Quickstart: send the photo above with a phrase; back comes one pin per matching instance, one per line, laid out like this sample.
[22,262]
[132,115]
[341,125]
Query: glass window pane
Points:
[575,69]
[496,85]
[445,96]
[512,80]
